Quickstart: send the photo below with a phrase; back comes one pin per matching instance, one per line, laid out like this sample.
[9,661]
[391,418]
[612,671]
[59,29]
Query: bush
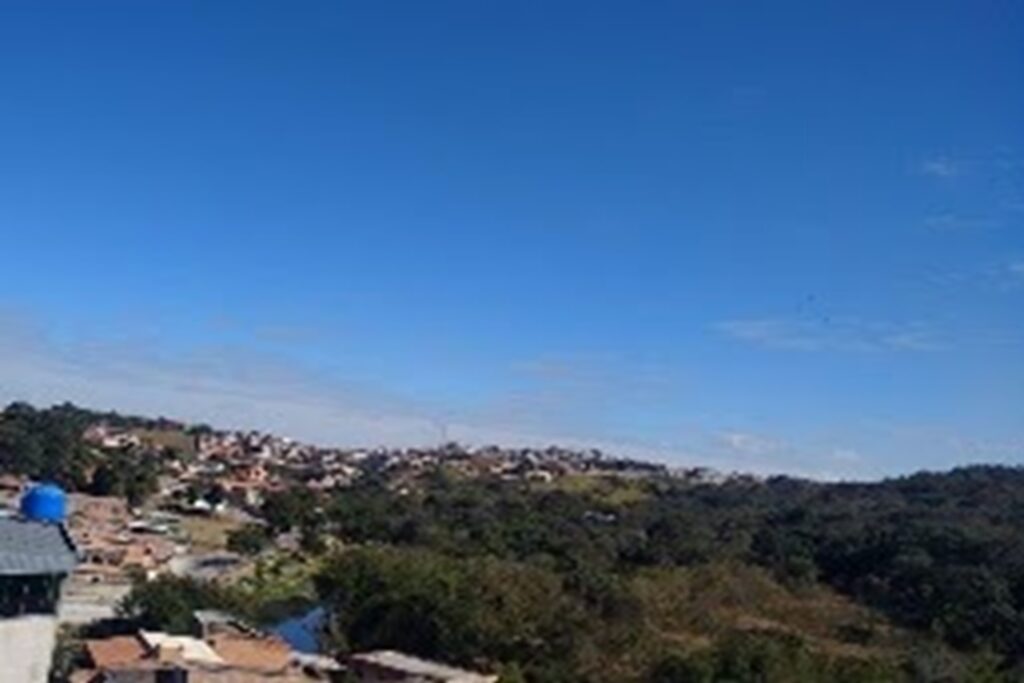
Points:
[167,603]
[250,539]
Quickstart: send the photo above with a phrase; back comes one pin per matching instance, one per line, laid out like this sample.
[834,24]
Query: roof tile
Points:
[28,547]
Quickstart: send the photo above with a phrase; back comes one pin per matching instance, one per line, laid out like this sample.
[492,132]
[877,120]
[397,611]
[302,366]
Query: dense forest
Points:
[651,579]
[47,445]
[939,556]
[912,579]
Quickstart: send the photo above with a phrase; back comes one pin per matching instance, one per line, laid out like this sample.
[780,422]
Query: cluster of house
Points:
[113,543]
[539,464]
[247,465]
[116,543]
[105,436]
[224,651]
[103,543]
[37,554]
[220,650]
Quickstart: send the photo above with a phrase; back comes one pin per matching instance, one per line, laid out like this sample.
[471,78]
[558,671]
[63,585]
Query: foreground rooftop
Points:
[29,548]
[396,664]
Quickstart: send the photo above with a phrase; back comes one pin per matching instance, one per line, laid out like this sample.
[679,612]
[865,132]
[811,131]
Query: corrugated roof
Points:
[28,548]
[408,665]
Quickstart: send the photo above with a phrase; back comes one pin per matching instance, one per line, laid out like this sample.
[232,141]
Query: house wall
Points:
[26,647]
[28,626]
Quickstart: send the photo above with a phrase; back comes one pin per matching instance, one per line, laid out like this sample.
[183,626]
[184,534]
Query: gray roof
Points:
[418,669]
[28,548]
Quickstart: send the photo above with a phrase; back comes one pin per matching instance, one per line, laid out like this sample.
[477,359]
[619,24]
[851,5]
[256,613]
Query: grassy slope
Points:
[689,609]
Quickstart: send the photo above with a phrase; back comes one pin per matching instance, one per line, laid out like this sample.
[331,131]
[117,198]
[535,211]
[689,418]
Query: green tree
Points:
[168,602]
[676,668]
[285,510]
[250,539]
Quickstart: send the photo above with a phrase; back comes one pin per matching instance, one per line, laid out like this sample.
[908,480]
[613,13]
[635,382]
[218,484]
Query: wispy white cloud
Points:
[1000,449]
[575,393]
[993,180]
[832,334]
[562,400]
[1000,276]
[228,386]
[749,443]
[1006,276]
[811,456]
[941,167]
[951,222]
[575,401]
[847,456]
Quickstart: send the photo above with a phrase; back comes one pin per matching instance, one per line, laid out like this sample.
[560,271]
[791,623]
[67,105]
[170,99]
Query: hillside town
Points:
[206,486]
[140,550]
[245,466]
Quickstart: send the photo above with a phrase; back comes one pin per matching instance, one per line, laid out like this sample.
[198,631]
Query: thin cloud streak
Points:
[835,335]
[941,167]
[950,222]
[233,388]
[228,386]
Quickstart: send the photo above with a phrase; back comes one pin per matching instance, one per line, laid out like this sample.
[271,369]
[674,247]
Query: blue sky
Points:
[777,238]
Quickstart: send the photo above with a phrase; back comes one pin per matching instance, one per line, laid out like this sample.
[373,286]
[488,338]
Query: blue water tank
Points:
[44,503]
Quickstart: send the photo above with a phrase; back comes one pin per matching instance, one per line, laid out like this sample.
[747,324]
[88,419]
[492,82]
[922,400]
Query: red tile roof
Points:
[115,652]
[258,654]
